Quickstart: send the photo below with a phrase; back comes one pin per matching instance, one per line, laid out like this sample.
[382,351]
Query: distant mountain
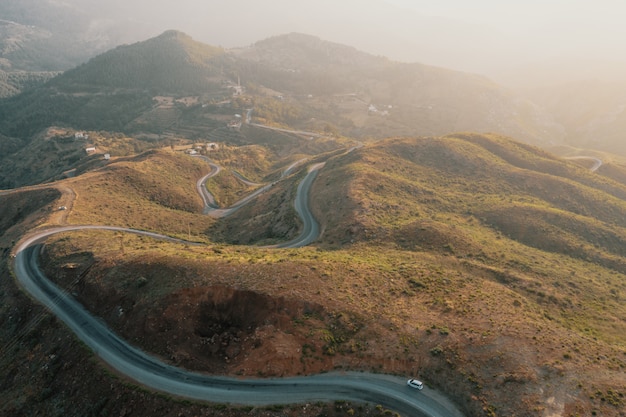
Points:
[43,37]
[22,64]
[347,87]
[48,35]
[171,85]
[114,88]
[419,99]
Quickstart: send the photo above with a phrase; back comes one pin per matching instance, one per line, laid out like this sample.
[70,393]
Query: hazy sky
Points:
[492,37]
[565,25]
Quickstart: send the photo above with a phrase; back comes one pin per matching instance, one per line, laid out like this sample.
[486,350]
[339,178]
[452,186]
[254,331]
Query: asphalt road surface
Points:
[311,229]
[390,392]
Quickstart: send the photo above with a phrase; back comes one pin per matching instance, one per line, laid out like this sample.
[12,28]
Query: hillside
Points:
[39,39]
[44,35]
[489,268]
[114,88]
[14,82]
[43,368]
[406,99]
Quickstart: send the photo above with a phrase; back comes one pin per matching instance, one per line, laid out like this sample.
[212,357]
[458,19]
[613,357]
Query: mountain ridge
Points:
[360,95]
[162,62]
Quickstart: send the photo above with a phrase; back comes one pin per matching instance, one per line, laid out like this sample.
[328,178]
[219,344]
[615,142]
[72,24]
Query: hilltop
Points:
[114,88]
[171,62]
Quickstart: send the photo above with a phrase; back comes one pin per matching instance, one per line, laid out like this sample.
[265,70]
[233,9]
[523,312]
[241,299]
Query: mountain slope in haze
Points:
[294,81]
[21,68]
[41,38]
[48,35]
[347,87]
[592,112]
[408,98]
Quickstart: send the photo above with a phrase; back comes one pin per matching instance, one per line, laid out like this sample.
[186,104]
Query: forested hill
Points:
[12,83]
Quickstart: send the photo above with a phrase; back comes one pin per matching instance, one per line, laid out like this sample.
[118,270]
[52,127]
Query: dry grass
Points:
[512,317]
[154,191]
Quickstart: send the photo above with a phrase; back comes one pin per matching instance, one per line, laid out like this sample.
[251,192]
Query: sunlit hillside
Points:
[491,269]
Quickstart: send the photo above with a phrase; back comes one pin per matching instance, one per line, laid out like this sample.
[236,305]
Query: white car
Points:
[414,383]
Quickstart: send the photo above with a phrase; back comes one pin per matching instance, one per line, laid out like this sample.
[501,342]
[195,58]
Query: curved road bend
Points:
[210,205]
[311,228]
[207,197]
[390,392]
[597,162]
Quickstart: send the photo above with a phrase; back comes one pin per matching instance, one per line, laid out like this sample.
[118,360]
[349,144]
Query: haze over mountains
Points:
[501,40]
[295,80]
[42,37]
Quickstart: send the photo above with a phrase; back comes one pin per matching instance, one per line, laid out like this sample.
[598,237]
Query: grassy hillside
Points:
[45,370]
[153,191]
[489,268]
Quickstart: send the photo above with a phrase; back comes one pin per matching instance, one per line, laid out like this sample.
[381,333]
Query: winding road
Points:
[597,162]
[311,229]
[388,391]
